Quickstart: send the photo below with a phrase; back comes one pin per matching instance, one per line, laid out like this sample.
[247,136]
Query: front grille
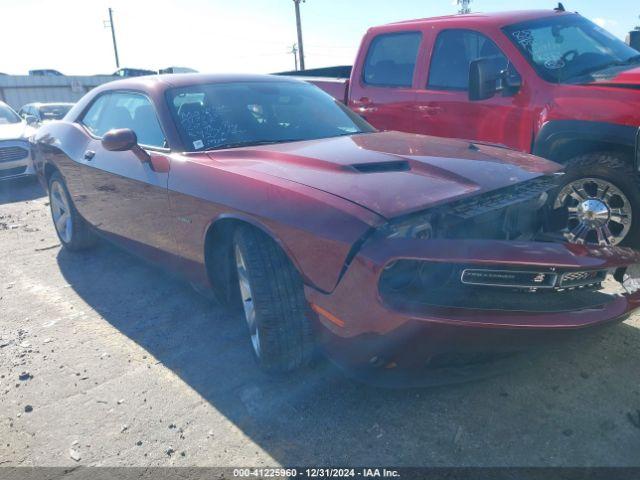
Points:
[508,278]
[579,279]
[11,154]
[406,284]
[499,199]
[10,172]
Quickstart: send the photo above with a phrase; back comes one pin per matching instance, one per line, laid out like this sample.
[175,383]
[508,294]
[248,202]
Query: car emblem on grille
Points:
[508,278]
[539,278]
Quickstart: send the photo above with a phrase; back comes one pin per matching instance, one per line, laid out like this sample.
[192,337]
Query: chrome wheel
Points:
[61,212]
[599,212]
[247,300]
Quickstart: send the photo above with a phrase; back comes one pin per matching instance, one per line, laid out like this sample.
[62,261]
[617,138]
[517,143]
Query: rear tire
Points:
[611,186]
[271,295]
[72,230]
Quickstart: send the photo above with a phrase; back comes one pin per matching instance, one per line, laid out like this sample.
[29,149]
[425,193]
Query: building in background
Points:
[18,90]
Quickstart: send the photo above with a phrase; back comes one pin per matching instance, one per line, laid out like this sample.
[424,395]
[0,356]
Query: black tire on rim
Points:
[273,302]
[600,192]
[71,228]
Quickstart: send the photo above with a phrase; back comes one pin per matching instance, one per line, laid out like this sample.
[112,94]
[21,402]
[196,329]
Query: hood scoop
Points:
[380,167]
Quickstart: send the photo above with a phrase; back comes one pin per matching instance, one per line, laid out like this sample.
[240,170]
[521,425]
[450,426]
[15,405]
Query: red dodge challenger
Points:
[386,249]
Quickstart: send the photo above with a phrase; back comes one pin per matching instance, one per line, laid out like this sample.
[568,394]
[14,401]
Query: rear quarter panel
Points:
[60,145]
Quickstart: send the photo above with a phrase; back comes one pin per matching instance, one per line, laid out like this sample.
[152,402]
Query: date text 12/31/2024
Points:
[315,473]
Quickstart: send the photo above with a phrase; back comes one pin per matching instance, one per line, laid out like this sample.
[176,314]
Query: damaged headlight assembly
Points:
[401,274]
[419,227]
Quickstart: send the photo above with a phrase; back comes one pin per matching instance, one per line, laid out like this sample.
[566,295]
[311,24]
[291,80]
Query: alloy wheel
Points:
[599,212]
[61,212]
[247,299]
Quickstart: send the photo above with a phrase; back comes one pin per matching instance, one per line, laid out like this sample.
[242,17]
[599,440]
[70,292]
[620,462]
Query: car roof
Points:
[496,19]
[41,104]
[166,81]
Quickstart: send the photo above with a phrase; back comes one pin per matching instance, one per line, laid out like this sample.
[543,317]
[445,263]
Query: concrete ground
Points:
[107,361]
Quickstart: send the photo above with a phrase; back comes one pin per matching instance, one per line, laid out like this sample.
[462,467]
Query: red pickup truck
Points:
[546,82]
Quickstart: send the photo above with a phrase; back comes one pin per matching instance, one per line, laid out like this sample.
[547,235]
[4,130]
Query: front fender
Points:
[556,136]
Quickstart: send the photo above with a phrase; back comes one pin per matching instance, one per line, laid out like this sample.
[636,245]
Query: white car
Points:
[15,150]
[45,112]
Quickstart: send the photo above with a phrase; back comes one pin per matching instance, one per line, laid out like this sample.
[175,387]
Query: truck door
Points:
[382,87]
[442,105]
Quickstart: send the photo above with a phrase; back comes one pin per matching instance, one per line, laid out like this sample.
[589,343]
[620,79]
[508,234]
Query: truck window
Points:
[391,59]
[569,48]
[453,52]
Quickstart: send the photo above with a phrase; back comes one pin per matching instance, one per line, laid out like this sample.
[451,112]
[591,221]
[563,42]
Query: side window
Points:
[134,111]
[391,59]
[453,52]
[91,118]
[125,110]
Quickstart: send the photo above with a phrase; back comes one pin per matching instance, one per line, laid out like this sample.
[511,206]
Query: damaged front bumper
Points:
[403,301]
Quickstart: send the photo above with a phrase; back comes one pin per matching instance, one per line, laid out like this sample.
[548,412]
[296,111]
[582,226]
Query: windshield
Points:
[565,47]
[7,115]
[54,112]
[239,114]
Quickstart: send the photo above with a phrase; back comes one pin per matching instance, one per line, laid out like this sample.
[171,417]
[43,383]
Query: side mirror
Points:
[119,140]
[486,79]
[122,140]
[31,119]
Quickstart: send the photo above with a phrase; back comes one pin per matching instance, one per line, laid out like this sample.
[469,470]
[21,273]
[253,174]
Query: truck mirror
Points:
[487,78]
[483,79]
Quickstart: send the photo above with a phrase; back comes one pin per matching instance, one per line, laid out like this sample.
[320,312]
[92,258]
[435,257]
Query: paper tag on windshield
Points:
[198,144]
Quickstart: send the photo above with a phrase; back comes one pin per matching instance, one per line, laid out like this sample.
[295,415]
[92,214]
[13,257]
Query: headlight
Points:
[410,228]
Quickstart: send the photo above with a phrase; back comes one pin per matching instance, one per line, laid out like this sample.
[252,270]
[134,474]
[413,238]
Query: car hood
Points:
[628,78]
[390,173]
[13,131]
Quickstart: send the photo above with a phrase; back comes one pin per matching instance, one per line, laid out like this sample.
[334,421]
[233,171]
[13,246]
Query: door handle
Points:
[429,109]
[89,154]
[365,105]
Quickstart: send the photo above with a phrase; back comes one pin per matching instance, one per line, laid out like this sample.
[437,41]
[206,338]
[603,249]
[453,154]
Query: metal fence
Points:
[17,90]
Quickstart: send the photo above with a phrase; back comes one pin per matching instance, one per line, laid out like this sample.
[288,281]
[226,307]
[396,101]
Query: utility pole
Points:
[294,51]
[464,6]
[109,24]
[299,27]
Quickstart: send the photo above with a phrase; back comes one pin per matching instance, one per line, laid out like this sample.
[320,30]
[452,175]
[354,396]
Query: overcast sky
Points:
[225,36]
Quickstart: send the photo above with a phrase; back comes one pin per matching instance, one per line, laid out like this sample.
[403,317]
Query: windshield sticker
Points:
[524,38]
[209,126]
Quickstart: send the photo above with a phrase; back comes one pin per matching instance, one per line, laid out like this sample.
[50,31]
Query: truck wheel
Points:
[72,230]
[600,192]
[273,302]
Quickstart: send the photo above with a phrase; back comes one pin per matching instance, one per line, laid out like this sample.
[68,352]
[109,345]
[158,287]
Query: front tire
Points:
[72,230]
[273,302]
[600,192]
